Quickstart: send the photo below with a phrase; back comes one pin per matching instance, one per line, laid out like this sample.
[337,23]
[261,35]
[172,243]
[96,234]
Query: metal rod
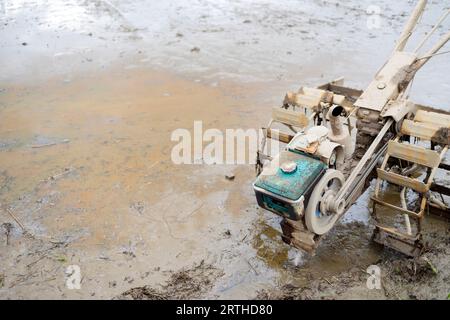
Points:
[438,24]
[373,162]
[363,161]
[438,46]
[436,54]
[420,62]
[412,22]
[405,216]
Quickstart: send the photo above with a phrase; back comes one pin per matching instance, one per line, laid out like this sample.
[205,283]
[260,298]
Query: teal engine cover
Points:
[280,192]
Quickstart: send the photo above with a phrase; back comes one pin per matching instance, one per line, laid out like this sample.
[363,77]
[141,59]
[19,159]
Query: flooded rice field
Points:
[90,92]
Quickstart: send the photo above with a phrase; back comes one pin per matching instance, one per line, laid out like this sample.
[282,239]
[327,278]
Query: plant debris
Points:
[184,284]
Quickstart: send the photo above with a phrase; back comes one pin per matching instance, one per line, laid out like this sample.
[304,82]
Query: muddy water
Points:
[88,162]
[280,43]
[90,93]
[94,168]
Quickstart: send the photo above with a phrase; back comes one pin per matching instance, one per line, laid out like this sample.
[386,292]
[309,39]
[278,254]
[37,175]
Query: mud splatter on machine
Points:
[341,138]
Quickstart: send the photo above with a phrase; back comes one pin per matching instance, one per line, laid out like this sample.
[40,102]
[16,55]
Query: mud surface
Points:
[183,284]
[90,92]
[419,278]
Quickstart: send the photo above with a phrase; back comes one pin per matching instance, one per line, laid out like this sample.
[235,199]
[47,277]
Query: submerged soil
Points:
[425,277]
[184,284]
[90,93]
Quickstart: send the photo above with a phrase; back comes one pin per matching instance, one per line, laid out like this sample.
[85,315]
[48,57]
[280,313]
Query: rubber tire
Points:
[313,222]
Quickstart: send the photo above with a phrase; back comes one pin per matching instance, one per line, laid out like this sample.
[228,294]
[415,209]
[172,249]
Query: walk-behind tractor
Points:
[337,139]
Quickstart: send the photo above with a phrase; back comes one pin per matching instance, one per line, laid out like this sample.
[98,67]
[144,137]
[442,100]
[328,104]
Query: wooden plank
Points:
[432,109]
[339,81]
[412,153]
[342,101]
[438,211]
[402,181]
[394,207]
[302,100]
[396,232]
[439,119]
[444,166]
[348,92]
[337,87]
[425,131]
[409,247]
[440,189]
[309,97]
[289,117]
[280,136]
[313,92]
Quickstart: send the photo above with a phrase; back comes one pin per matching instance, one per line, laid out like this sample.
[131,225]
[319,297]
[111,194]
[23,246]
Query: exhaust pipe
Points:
[338,134]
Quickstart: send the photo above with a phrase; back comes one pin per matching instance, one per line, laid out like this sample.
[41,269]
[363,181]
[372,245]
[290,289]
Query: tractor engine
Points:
[285,186]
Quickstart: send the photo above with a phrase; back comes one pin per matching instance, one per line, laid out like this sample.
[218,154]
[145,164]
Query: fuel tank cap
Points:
[288,167]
